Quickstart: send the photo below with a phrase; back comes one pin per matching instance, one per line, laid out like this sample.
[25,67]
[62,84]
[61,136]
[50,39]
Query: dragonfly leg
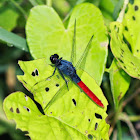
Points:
[52,74]
[63,78]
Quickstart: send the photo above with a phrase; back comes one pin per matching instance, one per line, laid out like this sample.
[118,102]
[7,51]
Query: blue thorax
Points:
[68,69]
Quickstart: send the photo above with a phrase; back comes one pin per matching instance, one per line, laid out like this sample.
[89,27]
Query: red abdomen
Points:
[90,93]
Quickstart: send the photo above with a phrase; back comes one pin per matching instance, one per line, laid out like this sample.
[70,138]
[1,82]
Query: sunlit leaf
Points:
[13,40]
[46,35]
[129,62]
[70,114]
[119,81]
[131,24]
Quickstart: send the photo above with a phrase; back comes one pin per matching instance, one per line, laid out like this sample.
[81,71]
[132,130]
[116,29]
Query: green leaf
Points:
[129,62]
[119,81]
[39,83]
[8,16]
[13,40]
[46,35]
[39,126]
[20,107]
[131,24]
[64,118]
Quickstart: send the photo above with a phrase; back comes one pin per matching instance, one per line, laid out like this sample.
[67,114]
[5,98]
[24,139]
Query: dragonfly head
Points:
[54,58]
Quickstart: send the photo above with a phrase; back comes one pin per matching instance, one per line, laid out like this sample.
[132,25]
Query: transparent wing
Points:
[81,63]
[47,90]
[57,95]
[73,53]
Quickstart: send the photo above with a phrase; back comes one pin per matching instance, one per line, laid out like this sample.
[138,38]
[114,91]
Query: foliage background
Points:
[13,16]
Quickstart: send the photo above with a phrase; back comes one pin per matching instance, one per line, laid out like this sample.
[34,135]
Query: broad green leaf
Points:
[131,24]
[46,35]
[8,16]
[69,114]
[23,110]
[20,107]
[129,62]
[13,40]
[38,83]
[119,81]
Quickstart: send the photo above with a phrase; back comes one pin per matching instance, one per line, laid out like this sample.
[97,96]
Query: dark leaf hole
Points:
[17,110]
[33,73]
[136,8]
[25,82]
[98,116]
[122,50]
[47,89]
[27,108]
[90,136]
[57,76]
[11,109]
[120,60]
[133,17]
[89,120]
[74,101]
[57,85]
[36,72]
[125,67]
[126,28]
[137,50]
[126,42]
[96,125]
[132,63]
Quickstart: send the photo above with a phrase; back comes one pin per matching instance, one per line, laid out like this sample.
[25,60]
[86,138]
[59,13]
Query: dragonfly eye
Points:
[54,58]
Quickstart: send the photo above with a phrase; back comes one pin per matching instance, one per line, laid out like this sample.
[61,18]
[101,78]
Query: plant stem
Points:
[49,3]
[119,130]
[125,118]
[19,8]
[121,15]
[114,135]
[130,98]
[134,118]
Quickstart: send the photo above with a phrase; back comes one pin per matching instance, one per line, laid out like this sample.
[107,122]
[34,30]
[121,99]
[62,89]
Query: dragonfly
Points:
[66,68]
